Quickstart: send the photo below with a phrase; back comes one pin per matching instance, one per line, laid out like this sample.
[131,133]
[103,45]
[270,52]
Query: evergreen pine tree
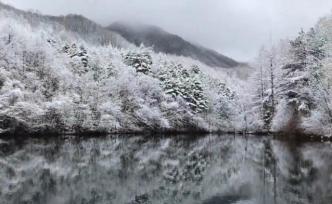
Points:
[81,54]
[199,99]
[142,61]
[169,78]
[180,82]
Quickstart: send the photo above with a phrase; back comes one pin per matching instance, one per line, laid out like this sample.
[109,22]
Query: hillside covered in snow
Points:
[67,74]
[60,75]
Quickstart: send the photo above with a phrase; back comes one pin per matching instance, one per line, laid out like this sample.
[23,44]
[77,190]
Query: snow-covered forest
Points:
[65,75]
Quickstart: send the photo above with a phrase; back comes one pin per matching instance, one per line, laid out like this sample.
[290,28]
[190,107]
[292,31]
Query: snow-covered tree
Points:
[185,83]
[266,86]
[79,55]
[141,61]
[301,77]
[266,79]
[197,101]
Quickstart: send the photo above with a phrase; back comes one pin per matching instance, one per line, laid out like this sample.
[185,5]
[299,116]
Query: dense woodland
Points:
[65,75]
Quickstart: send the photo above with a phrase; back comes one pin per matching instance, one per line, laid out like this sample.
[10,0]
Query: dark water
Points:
[183,169]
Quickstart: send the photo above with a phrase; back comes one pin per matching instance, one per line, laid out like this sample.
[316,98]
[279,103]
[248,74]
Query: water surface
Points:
[214,169]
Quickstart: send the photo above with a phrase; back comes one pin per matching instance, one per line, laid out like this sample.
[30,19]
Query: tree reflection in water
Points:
[181,169]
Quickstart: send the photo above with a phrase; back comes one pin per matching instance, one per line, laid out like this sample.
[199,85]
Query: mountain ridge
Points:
[78,25]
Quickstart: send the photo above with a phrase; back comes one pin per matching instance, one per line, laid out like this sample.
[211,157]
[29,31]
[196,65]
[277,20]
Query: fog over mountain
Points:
[164,42]
[118,34]
[236,28]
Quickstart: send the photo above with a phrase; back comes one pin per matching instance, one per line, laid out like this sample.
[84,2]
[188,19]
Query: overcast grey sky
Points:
[237,28]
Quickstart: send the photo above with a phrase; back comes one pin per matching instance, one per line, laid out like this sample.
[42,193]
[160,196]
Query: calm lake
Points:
[212,169]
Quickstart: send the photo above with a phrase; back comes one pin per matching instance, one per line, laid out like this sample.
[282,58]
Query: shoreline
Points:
[45,134]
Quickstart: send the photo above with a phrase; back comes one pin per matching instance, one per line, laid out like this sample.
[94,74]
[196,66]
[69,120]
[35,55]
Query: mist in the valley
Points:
[237,28]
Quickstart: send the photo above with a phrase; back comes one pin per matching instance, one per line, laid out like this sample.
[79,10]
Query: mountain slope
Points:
[168,43]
